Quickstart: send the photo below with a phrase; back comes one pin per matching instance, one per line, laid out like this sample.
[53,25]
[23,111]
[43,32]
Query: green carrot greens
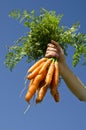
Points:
[42,29]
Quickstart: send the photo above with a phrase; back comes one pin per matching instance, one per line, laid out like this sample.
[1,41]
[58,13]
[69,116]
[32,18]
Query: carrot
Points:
[41,92]
[55,79]
[32,89]
[37,64]
[45,66]
[55,94]
[54,82]
[50,73]
[31,81]
[34,72]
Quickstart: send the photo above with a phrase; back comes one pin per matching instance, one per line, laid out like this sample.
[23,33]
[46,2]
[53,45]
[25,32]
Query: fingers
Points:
[51,45]
[51,54]
[52,49]
[57,46]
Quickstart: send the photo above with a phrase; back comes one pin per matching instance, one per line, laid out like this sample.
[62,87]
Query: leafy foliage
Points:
[42,29]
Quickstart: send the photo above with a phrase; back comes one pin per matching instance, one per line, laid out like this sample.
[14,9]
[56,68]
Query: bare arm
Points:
[72,81]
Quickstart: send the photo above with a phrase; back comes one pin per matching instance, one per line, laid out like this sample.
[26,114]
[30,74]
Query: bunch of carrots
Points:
[43,75]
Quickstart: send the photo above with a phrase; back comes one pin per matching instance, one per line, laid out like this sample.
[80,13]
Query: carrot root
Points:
[55,94]
[41,93]
[37,64]
[27,108]
[34,86]
[34,72]
[49,75]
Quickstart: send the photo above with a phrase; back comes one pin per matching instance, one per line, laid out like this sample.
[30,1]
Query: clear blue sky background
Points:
[69,113]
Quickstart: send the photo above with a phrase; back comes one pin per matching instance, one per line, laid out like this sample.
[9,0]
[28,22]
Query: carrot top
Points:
[42,29]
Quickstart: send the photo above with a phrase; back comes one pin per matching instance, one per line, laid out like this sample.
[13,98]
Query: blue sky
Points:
[69,113]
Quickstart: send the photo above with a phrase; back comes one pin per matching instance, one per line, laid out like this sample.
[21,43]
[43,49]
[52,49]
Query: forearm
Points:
[73,82]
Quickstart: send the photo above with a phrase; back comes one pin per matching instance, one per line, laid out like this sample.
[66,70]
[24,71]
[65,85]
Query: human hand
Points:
[55,50]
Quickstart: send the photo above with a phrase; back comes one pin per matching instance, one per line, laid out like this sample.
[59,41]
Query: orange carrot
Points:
[34,72]
[50,73]
[56,74]
[45,66]
[54,82]
[32,89]
[55,94]
[37,64]
[41,92]
[31,81]
[55,78]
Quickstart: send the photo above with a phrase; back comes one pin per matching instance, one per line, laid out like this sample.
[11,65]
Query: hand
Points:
[55,50]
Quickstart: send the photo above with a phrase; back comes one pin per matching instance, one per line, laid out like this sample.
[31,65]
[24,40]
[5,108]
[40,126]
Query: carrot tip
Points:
[38,100]
[27,108]
[56,97]
[22,91]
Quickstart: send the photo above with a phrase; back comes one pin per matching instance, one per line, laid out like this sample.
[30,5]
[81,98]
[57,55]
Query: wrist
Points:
[62,67]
